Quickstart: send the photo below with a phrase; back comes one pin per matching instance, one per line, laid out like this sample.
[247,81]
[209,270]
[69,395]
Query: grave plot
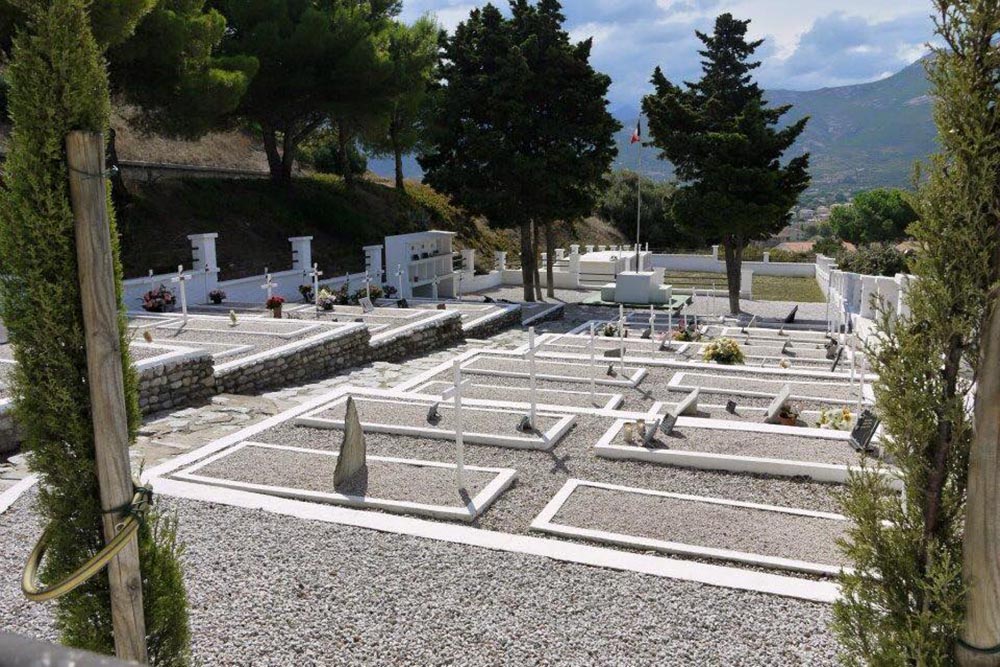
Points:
[405,486]
[506,366]
[698,526]
[811,391]
[482,426]
[223,338]
[760,448]
[510,393]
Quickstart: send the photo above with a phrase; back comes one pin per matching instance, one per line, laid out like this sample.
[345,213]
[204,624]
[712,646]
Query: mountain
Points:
[860,137]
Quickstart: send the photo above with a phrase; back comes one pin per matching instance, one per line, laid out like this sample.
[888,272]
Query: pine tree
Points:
[726,147]
[520,132]
[903,602]
[58,84]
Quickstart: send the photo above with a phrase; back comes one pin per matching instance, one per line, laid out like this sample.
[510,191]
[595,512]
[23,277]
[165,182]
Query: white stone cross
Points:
[455,392]
[531,374]
[399,278]
[621,338]
[268,285]
[670,328]
[152,283]
[861,383]
[593,366]
[315,274]
[854,357]
[180,279]
[368,285]
[652,328]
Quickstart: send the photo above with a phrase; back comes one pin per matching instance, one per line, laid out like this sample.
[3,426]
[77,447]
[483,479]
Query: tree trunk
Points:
[275,163]
[527,275]
[287,157]
[734,267]
[119,192]
[981,564]
[397,153]
[343,139]
[550,251]
[535,253]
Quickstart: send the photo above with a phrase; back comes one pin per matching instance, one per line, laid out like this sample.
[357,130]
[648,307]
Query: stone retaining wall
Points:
[506,319]
[176,383]
[312,358]
[426,337]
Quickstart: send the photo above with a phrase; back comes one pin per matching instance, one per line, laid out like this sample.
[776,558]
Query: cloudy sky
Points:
[810,43]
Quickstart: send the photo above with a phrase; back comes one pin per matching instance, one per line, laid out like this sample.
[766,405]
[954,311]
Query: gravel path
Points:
[270,590]
[704,524]
[314,472]
[767,445]
[414,414]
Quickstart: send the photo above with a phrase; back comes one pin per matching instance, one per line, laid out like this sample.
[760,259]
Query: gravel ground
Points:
[271,590]
[704,524]
[314,472]
[414,414]
[578,368]
[247,326]
[767,445]
[542,474]
[259,343]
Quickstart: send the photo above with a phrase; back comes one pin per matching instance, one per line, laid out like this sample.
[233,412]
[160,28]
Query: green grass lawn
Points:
[787,288]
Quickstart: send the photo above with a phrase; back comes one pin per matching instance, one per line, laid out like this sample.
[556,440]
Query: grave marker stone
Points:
[731,407]
[433,416]
[668,423]
[774,409]
[366,305]
[689,405]
[651,433]
[836,362]
[352,458]
[864,430]
[791,316]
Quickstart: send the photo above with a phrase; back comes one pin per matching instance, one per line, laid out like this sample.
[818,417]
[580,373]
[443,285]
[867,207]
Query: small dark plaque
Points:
[731,407]
[791,316]
[402,303]
[864,431]
[836,362]
[613,354]
[611,371]
[667,425]
[831,349]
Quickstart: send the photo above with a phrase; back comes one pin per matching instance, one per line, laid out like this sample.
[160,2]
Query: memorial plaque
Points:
[611,371]
[668,423]
[366,305]
[402,303]
[433,416]
[613,354]
[791,316]
[731,407]
[779,401]
[352,458]
[651,433]
[836,362]
[689,404]
[864,431]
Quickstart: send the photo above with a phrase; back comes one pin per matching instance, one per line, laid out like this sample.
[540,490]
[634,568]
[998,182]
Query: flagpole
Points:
[638,190]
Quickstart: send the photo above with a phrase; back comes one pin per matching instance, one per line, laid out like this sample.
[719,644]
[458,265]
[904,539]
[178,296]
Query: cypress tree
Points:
[58,83]
[726,147]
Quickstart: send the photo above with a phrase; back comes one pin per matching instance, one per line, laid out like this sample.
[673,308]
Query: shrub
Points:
[873,260]
[307,293]
[274,302]
[58,84]
[723,351]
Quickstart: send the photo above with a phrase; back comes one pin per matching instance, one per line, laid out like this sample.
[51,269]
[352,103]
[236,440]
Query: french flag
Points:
[637,135]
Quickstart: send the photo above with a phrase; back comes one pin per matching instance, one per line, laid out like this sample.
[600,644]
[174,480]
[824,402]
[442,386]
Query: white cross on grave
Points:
[455,392]
[652,328]
[861,383]
[152,283]
[269,285]
[368,285]
[180,279]
[593,365]
[399,279]
[531,374]
[315,274]
[621,339]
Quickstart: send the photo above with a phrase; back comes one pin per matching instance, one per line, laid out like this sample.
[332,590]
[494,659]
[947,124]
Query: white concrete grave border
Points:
[545,442]
[558,550]
[613,403]
[304,326]
[820,472]
[544,523]
[677,382]
[338,331]
[634,380]
[503,478]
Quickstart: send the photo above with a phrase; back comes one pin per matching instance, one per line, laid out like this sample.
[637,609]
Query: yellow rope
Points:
[37,592]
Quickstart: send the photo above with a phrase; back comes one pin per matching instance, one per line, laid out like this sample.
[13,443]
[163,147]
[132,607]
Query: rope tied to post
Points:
[133,516]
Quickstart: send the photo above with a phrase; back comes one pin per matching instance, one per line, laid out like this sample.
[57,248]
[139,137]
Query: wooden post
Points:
[981,548]
[85,154]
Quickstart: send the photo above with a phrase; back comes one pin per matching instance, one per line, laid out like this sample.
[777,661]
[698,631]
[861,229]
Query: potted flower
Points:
[217,296]
[274,305]
[307,293]
[788,415]
[326,300]
[611,330]
[159,300]
[389,291]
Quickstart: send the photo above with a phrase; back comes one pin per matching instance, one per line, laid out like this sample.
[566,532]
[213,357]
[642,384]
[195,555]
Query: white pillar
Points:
[715,252]
[560,254]
[469,260]
[373,262]
[301,253]
[574,265]
[203,256]
[767,257]
[500,260]
[588,248]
